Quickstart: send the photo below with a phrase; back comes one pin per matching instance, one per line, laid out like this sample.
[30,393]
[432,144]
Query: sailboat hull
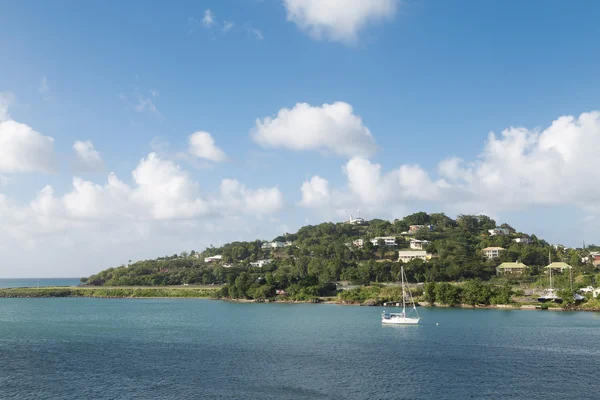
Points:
[400,320]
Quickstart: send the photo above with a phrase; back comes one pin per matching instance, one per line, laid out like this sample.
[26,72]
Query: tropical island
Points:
[469,261]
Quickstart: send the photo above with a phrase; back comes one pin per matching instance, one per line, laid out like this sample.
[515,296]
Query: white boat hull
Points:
[400,321]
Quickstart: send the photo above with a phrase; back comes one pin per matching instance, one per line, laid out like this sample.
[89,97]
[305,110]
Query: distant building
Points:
[559,266]
[406,256]
[596,293]
[498,231]
[355,221]
[261,263]
[558,246]
[416,228]
[511,268]
[272,245]
[416,244]
[227,265]
[280,292]
[213,258]
[358,243]
[596,260]
[287,244]
[388,240]
[523,240]
[493,252]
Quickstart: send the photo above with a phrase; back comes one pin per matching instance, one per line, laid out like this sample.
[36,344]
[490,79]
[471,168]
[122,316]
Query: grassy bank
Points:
[104,292]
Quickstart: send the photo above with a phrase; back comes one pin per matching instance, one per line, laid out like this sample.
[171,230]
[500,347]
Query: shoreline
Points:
[208,293]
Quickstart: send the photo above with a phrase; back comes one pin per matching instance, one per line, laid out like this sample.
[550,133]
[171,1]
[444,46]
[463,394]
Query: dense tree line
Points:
[323,254]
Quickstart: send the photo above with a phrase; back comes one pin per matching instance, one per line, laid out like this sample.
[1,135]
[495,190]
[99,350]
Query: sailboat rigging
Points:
[402,318]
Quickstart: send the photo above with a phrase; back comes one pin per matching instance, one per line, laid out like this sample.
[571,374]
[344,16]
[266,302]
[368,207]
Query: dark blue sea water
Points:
[203,349]
[34,282]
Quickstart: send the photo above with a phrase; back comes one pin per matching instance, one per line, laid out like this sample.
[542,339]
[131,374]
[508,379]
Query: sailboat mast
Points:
[550,262]
[403,300]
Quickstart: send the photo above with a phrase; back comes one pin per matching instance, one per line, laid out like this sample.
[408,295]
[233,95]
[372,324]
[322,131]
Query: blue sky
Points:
[429,80]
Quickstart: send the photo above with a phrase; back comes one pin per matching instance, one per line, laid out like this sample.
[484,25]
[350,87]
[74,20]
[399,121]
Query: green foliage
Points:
[446,293]
[323,254]
[430,292]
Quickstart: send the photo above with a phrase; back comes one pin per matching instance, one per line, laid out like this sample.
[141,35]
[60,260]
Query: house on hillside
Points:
[493,252]
[387,240]
[498,231]
[416,244]
[407,255]
[355,221]
[213,258]
[558,266]
[413,229]
[261,263]
[358,243]
[511,268]
[272,245]
[523,240]
[596,292]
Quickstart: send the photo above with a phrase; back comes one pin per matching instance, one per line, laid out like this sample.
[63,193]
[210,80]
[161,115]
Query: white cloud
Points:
[227,26]
[329,128]
[315,192]
[161,211]
[256,33]
[44,88]
[338,20]
[21,148]
[87,155]
[202,144]
[235,196]
[209,18]
[520,169]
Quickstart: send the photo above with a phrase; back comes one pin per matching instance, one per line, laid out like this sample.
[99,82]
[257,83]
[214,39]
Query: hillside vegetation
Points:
[318,257]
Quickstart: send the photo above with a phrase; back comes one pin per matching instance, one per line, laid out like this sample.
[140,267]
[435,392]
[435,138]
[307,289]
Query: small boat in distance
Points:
[402,318]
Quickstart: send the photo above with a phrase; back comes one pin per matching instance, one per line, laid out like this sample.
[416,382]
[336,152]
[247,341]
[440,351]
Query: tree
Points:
[430,292]
[474,292]
[446,293]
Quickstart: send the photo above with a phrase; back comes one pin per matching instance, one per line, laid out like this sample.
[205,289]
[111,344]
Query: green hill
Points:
[309,262]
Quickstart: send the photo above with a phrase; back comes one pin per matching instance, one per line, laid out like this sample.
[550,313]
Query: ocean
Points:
[83,348]
[34,282]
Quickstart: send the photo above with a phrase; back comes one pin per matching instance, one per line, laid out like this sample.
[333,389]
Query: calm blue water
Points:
[188,349]
[8,283]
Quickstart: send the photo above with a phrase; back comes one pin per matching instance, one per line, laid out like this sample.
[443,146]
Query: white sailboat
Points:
[402,318]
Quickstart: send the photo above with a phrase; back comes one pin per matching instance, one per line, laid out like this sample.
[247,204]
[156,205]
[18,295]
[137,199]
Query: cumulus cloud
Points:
[328,128]
[525,167]
[236,196]
[202,144]
[338,20]
[22,149]
[518,169]
[315,192]
[161,191]
[87,155]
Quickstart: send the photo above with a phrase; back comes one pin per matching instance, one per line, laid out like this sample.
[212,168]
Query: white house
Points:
[213,258]
[287,244]
[596,292]
[498,231]
[227,265]
[261,263]
[523,240]
[355,221]
[493,252]
[416,244]
[406,256]
[358,243]
[272,245]
[388,240]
